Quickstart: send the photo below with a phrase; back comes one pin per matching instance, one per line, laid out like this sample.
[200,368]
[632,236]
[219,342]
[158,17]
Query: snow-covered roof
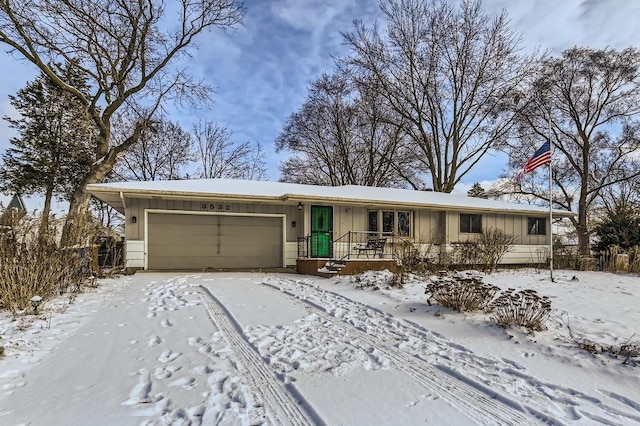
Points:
[245,190]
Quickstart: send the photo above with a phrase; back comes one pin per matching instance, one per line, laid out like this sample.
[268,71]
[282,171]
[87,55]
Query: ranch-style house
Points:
[212,224]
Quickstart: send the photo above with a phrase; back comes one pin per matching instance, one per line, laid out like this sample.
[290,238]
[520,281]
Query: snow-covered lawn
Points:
[249,348]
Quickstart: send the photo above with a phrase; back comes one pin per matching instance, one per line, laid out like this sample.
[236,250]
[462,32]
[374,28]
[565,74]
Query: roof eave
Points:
[119,194]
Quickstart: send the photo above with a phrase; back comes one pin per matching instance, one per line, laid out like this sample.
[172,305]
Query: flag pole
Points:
[550,201]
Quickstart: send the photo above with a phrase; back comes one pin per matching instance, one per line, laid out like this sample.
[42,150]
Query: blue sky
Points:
[261,72]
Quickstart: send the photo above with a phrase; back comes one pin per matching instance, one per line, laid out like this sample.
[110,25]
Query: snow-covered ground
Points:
[250,348]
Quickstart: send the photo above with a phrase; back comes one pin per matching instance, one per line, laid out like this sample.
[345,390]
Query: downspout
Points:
[124,204]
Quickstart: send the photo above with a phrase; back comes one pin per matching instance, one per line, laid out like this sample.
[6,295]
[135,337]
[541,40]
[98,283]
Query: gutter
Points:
[295,198]
[378,204]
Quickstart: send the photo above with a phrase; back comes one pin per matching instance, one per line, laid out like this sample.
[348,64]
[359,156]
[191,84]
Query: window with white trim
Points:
[397,222]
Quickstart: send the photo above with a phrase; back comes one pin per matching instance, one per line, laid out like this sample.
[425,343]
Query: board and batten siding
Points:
[136,207]
[515,224]
[428,226]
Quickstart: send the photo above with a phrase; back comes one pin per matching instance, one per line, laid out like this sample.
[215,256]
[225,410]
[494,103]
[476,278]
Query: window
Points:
[470,223]
[403,223]
[388,222]
[373,221]
[537,226]
[398,222]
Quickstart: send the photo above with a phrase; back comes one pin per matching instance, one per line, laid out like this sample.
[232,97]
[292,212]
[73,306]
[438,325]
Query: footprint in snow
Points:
[204,349]
[168,356]
[166,323]
[154,340]
[140,392]
[185,382]
[201,370]
[162,373]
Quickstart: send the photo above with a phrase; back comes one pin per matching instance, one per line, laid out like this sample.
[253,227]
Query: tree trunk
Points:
[44,220]
[79,203]
[582,229]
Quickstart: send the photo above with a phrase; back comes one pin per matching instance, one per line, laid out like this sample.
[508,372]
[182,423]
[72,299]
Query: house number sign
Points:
[221,207]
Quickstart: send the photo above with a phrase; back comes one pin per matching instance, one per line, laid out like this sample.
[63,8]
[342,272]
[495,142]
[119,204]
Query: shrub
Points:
[465,253]
[485,252]
[461,292]
[524,308]
[33,264]
[410,260]
[495,243]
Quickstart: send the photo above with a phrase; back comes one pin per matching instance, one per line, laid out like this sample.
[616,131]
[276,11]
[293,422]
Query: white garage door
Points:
[188,241]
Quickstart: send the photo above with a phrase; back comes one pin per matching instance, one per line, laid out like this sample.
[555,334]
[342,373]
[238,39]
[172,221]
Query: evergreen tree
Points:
[477,191]
[51,153]
[621,228]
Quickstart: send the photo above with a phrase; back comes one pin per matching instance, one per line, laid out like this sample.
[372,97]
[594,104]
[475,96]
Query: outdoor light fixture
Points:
[300,206]
[134,219]
[35,302]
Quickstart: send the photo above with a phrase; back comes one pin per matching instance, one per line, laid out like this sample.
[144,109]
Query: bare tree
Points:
[128,51]
[162,153]
[452,75]
[220,157]
[590,102]
[341,136]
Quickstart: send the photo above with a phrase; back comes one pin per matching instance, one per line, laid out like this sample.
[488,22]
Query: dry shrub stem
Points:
[32,264]
[629,350]
[524,308]
[461,292]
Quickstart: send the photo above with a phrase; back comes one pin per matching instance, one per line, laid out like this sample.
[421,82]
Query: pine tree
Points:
[51,153]
[621,227]
[477,191]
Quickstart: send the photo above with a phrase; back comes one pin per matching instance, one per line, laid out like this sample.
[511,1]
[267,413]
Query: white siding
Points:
[291,253]
[134,253]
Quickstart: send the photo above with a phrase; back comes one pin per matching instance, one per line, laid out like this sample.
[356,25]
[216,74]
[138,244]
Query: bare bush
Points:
[465,253]
[461,292]
[524,308]
[485,252]
[411,259]
[495,243]
[32,264]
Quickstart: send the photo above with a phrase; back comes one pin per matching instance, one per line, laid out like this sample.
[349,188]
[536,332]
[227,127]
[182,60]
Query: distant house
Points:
[228,224]
[15,208]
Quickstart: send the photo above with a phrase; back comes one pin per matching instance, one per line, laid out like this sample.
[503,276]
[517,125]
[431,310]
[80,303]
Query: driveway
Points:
[250,348]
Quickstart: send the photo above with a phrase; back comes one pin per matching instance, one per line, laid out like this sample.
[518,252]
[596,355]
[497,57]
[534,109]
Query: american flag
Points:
[541,157]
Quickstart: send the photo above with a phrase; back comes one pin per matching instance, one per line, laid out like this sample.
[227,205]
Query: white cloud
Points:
[262,71]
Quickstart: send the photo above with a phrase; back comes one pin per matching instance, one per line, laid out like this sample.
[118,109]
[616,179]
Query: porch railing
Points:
[352,245]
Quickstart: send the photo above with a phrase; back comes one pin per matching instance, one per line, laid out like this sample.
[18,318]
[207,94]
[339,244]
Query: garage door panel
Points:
[182,241]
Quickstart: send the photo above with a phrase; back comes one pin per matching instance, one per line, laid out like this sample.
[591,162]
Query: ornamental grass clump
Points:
[461,293]
[524,308]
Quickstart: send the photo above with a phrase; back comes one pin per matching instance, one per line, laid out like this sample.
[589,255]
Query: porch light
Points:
[300,205]
[35,302]
[134,219]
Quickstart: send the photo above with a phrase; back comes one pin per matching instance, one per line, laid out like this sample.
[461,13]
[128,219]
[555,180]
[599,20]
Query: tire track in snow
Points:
[555,400]
[280,403]
[475,400]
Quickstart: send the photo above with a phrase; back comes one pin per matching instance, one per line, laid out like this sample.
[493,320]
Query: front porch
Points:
[352,253]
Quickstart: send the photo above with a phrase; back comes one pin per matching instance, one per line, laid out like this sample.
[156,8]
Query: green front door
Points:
[321,231]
